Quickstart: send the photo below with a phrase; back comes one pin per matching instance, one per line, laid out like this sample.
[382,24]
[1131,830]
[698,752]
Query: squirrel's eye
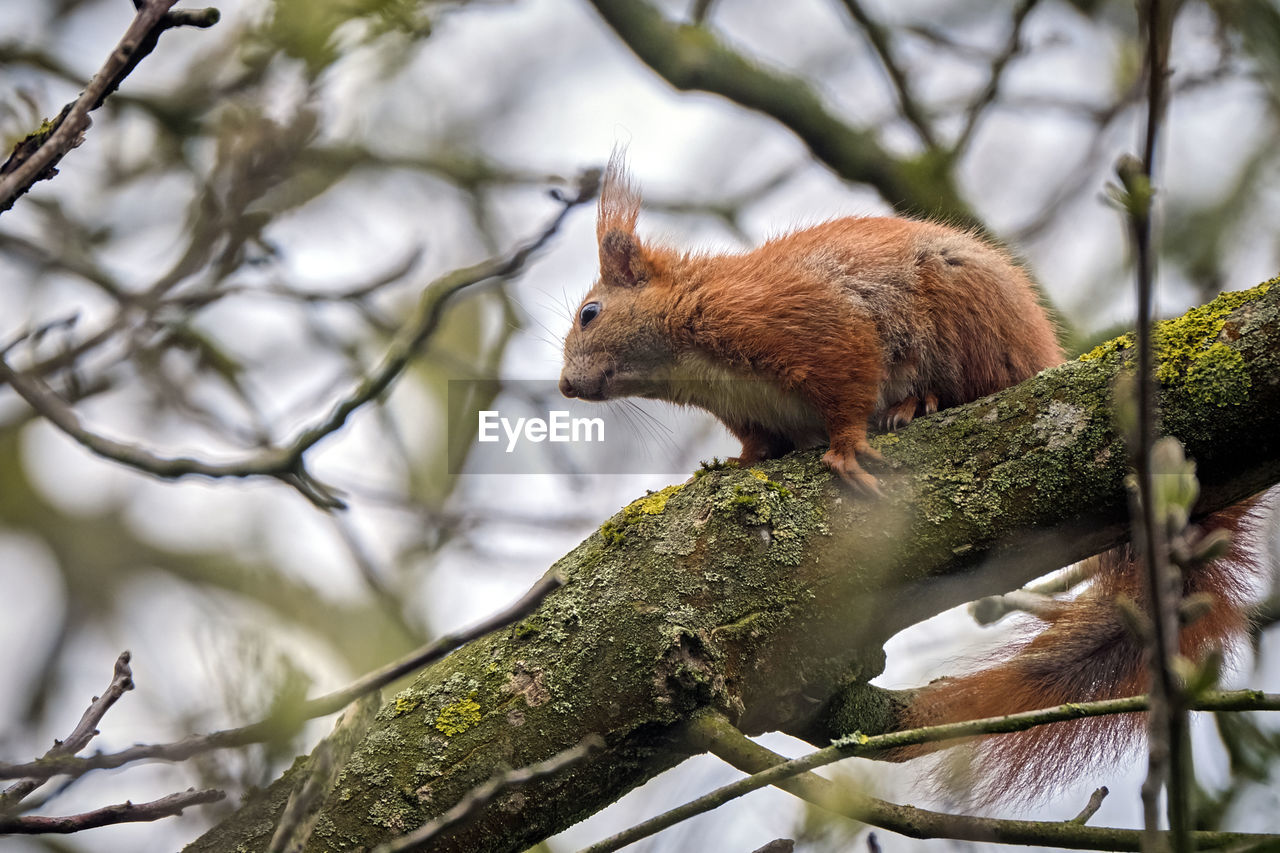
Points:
[588,313]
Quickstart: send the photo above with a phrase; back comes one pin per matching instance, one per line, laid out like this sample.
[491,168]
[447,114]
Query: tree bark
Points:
[765,592]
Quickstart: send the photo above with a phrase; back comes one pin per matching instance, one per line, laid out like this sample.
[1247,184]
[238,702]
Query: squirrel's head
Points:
[620,344]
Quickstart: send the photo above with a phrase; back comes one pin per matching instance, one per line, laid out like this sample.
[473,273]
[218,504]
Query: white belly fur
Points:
[743,398]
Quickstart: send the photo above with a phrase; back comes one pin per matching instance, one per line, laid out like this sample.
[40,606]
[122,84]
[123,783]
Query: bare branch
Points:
[712,731]
[286,723]
[85,731]
[1168,746]
[378,679]
[35,335]
[121,813]
[988,95]
[1033,598]
[880,41]
[1091,808]
[692,59]
[777,845]
[472,802]
[701,11]
[35,158]
[287,463]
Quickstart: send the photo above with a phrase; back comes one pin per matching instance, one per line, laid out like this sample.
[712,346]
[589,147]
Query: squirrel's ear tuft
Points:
[619,201]
[622,260]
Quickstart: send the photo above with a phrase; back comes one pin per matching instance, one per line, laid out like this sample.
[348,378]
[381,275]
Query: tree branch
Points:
[881,42]
[711,732]
[34,158]
[120,813]
[760,598]
[994,75]
[716,734]
[85,731]
[286,723]
[287,463]
[690,58]
[1168,739]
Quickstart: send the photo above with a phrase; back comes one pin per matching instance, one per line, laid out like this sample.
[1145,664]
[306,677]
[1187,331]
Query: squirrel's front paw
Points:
[846,465]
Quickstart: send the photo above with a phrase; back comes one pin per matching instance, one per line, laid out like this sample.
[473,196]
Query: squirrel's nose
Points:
[566,387]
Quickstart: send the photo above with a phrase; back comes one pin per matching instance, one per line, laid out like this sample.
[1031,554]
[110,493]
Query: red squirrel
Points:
[874,320]
[854,320]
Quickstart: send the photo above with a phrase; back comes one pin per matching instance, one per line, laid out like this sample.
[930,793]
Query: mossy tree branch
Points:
[759,593]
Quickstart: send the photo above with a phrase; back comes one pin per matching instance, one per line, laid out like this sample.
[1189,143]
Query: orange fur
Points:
[813,335]
[846,322]
[1085,653]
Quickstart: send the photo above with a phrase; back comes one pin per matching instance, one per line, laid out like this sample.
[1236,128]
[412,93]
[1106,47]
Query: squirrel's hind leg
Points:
[758,444]
[900,414]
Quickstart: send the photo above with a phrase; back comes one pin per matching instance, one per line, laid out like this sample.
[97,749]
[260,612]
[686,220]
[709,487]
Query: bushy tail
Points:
[1086,653]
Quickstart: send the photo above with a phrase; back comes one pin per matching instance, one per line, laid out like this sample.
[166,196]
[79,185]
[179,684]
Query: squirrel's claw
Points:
[899,415]
[848,469]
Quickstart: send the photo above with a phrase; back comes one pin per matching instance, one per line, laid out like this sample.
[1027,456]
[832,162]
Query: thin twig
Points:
[1032,598]
[988,95]
[39,332]
[1091,807]
[427,318]
[286,463]
[120,813]
[993,608]
[329,703]
[35,157]
[478,797]
[701,11]
[777,845]
[906,820]
[883,46]
[85,731]
[699,61]
[286,723]
[1168,756]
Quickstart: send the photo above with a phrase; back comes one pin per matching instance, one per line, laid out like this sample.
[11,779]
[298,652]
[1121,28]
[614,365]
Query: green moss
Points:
[649,506]
[769,484]
[530,627]
[1190,352]
[1218,376]
[859,709]
[456,717]
[883,440]
[715,464]
[747,496]
[612,534]
[653,503]
[1103,350]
